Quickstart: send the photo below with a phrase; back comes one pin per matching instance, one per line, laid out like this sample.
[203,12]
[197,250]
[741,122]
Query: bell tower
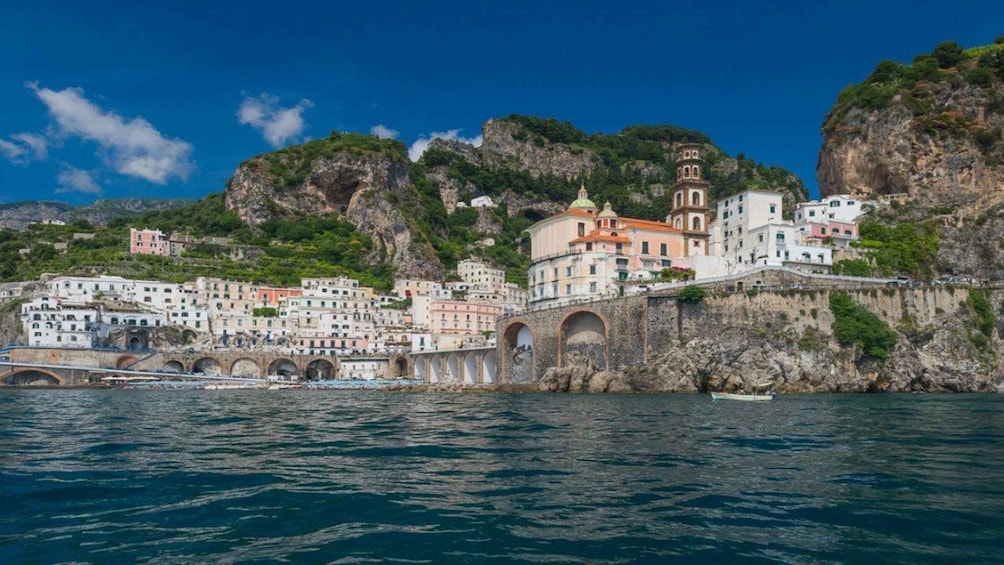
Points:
[689,212]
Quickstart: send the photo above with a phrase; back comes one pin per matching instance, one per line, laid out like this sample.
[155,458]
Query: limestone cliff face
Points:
[362,187]
[930,129]
[735,341]
[934,157]
[503,143]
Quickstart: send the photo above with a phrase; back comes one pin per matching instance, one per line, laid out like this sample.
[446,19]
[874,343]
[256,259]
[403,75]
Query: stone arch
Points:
[399,367]
[207,366]
[517,353]
[283,367]
[245,367]
[470,369]
[32,377]
[695,223]
[695,198]
[188,336]
[436,369]
[125,361]
[135,342]
[679,199]
[320,370]
[489,368]
[696,171]
[686,171]
[582,338]
[421,366]
[174,366]
[453,365]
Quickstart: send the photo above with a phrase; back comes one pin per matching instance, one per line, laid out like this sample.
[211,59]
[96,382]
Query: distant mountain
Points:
[18,215]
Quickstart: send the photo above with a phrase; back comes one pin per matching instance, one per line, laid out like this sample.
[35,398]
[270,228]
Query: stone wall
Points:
[733,339]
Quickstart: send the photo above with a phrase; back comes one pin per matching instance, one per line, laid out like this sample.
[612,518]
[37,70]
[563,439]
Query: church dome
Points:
[583,202]
[608,212]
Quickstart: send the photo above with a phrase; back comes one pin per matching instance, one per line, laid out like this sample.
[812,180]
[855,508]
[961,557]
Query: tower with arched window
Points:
[690,212]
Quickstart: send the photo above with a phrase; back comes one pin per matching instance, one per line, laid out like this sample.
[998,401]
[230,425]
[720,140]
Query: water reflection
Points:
[168,476]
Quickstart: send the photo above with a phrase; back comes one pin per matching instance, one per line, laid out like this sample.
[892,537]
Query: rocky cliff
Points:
[730,342]
[930,129]
[362,180]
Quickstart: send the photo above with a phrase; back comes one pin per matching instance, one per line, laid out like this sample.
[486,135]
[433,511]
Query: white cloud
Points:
[421,144]
[24,148]
[384,132]
[72,179]
[277,125]
[132,147]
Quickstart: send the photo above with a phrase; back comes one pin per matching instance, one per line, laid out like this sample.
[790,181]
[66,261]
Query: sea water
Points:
[304,476]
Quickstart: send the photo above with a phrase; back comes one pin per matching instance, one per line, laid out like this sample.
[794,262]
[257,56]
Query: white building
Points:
[49,322]
[749,231]
[839,208]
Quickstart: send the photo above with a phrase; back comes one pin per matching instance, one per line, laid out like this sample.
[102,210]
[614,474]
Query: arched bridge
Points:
[39,365]
[469,366]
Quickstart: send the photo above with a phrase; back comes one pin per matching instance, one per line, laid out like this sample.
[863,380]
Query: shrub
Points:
[985,318]
[855,325]
[692,294]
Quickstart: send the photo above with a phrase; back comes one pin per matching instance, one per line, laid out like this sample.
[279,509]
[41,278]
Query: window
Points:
[644,247]
[835,204]
[589,247]
[592,287]
[582,229]
[773,209]
[592,269]
[620,248]
[779,237]
[568,271]
[759,238]
[822,231]
[740,209]
[663,249]
[568,289]
[812,213]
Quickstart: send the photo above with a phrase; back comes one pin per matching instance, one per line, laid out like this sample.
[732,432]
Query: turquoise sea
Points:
[301,476]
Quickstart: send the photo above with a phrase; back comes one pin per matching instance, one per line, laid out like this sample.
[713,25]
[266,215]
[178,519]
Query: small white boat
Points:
[230,386]
[755,397]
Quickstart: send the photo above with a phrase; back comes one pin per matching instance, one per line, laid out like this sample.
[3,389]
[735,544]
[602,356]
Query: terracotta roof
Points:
[579,212]
[648,225]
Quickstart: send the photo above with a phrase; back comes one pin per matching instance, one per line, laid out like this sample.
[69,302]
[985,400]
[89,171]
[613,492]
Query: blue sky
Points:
[164,99]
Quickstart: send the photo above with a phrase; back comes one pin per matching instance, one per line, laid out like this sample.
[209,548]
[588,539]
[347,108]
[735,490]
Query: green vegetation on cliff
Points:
[291,165]
[916,86]
[854,324]
[281,252]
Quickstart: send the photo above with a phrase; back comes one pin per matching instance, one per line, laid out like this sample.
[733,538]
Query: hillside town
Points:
[587,252]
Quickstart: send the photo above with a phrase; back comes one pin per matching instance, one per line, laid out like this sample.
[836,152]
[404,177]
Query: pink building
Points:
[269,296]
[459,317]
[148,242]
[832,230]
